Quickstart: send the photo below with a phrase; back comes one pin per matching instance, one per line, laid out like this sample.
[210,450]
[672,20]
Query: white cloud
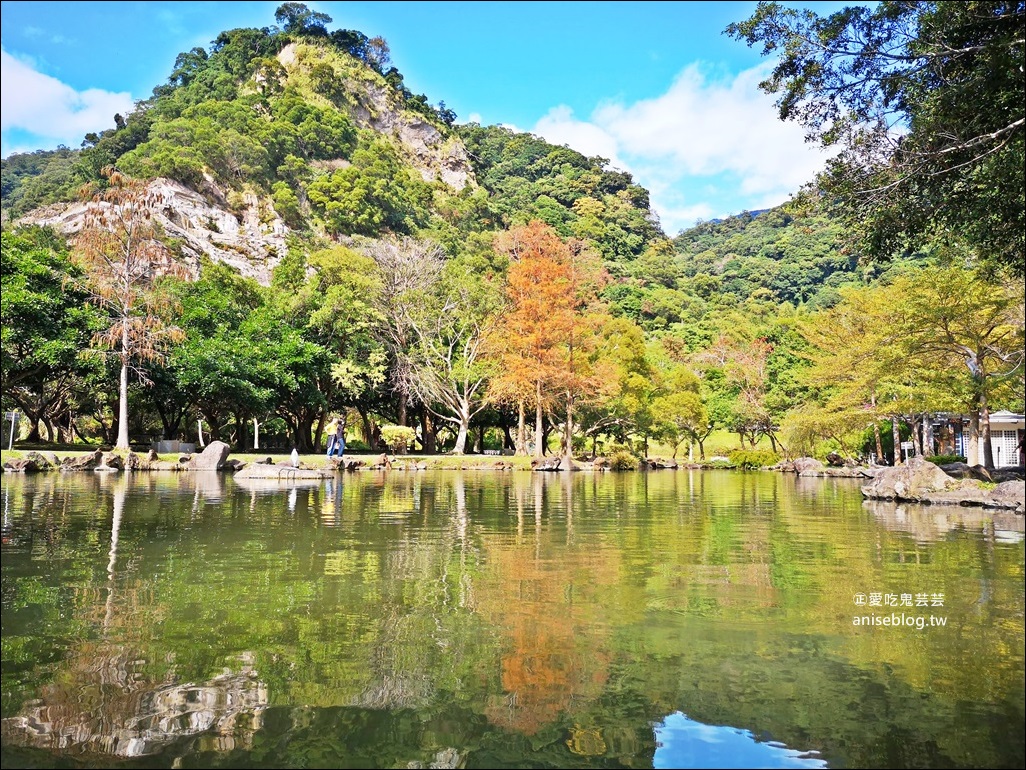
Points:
[707,147]
[559,126]
[39,104]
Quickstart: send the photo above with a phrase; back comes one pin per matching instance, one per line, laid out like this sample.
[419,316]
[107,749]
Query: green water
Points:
[486,619]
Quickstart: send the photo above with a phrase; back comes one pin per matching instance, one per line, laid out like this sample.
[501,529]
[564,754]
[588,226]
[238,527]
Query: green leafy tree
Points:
[297,17]
[45,323]
[680,414]
[922,103]
[623,403]
[958,320]
[223,367]
[941,339]
[437,316]
[375,193]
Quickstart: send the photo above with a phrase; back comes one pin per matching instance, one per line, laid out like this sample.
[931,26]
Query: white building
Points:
[1006,430]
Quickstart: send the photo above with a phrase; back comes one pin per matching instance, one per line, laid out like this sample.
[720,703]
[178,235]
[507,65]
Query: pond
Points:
[490,619]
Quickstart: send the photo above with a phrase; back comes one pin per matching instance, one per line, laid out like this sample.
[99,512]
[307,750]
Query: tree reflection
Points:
[545,597]
[523,618]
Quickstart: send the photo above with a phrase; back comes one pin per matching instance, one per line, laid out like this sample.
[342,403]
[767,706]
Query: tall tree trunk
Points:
[402,409]
[33,421]
[427,432]
[896,437]
[520,448]
[539,432]
[461,436]
[303,435]
[988,448]
[368,428]
[876,432]
[122,442]
[568,450]
[917,441]
[546,433]
[318,431]
[972,446]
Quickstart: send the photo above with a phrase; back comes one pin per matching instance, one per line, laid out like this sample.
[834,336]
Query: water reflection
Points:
[113,709]
[404,619]
[684,743]
[927,523]
[118,494]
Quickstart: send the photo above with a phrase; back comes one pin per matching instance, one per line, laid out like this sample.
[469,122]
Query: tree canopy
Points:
[922,102]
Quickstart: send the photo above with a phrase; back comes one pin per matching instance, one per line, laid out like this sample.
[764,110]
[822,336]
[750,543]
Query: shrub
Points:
[753,459]
[718,464]
[945,459]
[398,437]
[621,459]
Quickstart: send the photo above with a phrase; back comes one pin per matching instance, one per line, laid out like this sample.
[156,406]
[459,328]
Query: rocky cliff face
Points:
[247,232]
[372,107]
[252,241]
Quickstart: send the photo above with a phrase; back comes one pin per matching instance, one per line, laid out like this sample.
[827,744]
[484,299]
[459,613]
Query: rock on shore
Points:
[282,472]
[919,480]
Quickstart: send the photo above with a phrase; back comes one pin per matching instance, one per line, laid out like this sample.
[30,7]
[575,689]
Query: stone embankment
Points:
[921,481]
[916,481]
[213,458]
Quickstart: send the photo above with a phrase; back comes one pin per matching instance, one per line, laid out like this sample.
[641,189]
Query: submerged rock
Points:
[554,464]
[910,481]
[282,472]
[808,466]
[21,465]
[84,463]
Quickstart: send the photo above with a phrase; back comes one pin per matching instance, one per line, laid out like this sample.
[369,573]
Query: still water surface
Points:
[484,619]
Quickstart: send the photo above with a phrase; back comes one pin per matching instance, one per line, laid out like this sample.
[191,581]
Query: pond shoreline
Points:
[916,481]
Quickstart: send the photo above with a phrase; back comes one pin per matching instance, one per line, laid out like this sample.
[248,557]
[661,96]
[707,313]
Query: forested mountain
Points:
[283,231]
[304,131]
[315,132]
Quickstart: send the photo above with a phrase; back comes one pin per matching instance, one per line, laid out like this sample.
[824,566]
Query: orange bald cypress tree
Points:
[540,341]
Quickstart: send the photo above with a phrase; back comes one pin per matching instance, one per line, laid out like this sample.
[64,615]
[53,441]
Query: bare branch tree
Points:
[122,260]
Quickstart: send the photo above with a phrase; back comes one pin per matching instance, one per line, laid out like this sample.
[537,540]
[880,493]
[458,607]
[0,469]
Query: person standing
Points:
[340,438]
[332,430]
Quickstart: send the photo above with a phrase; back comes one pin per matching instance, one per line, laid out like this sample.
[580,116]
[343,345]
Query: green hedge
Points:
[753,459]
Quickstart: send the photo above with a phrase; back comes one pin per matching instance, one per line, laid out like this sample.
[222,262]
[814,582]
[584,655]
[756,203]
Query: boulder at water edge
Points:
[914,480]
[210,459]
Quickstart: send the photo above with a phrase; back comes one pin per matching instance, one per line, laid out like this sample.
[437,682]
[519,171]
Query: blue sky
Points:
[655,87]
